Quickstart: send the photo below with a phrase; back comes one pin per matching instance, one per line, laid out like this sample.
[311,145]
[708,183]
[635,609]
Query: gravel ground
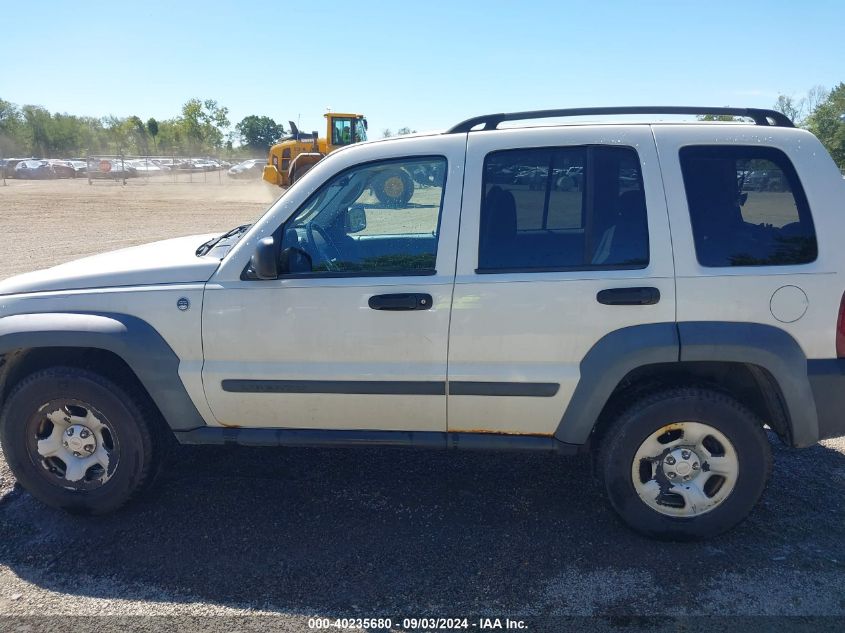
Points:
[391,532]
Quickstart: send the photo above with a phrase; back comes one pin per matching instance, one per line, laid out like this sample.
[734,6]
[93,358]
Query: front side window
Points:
[379,218]
[747,207]
[563,208]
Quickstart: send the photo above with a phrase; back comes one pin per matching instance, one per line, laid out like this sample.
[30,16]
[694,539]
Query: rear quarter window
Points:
[747,207]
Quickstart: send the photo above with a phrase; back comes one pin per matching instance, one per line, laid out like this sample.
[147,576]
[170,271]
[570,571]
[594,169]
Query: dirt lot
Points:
[357,533]
[52,221]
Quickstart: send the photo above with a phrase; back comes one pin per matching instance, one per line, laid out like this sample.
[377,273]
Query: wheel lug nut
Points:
[670,460]
[695,466]
[89,448]
[670,475]
[84,433]
[685,454]
[69,432]
[686,477]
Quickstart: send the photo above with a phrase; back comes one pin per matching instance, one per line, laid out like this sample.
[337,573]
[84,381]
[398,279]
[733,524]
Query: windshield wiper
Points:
[235,232]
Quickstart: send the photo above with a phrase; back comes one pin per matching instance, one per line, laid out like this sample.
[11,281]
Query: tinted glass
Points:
[377,218]
[747,207]
[563,209]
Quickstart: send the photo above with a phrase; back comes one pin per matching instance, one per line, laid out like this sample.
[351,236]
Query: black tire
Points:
[137,445]
[299,172]
[651,414]
[394,188]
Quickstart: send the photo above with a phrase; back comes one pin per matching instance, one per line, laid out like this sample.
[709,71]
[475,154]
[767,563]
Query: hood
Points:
[167,262]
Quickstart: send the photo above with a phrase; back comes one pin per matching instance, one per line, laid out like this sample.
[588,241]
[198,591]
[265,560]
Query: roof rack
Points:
[491,121]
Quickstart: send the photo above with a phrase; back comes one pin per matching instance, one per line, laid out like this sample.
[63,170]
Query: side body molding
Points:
[135,341]
[605,365]
[769,347]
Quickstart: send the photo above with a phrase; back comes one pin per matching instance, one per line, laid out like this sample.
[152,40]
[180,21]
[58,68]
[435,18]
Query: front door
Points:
[354,334]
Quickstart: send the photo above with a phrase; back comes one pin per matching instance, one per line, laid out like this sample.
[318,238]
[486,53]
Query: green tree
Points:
[203,123]
[12,129]
[118,135]
[152,130]
[37,120]
[791,108]
[259,133]
[826,122]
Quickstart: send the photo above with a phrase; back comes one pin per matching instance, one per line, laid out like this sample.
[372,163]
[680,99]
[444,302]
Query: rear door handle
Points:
[409,301]
[629,296]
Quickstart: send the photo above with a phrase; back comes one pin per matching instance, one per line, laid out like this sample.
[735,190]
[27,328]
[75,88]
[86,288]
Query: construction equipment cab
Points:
[294,155]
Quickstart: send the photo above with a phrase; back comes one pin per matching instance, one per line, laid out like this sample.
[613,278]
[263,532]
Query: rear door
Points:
[551,217]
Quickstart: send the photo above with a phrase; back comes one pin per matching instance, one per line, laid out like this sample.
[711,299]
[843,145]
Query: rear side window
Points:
[747,207]
[562,208]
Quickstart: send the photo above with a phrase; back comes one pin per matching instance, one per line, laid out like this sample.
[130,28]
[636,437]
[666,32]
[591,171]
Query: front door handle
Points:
[629,296]
[408,301]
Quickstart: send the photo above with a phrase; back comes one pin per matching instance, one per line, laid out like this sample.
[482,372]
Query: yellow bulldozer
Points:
[294,155]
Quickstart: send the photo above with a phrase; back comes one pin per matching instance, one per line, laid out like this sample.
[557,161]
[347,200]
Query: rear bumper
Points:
[827,380]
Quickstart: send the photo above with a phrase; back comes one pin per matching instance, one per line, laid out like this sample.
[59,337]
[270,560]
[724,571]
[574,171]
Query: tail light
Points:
[840,330]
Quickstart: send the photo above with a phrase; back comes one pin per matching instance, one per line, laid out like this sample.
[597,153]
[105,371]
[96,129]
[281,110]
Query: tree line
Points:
[201,129]
[822,112]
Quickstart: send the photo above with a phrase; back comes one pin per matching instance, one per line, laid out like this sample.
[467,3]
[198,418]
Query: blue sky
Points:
[421,64]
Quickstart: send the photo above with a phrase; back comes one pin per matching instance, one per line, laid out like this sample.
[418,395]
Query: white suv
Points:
[632,290]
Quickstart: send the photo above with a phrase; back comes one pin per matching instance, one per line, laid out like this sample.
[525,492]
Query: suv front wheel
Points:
[685,463]
[78,441]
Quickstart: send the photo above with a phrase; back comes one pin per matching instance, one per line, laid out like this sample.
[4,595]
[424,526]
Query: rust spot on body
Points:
[489,432]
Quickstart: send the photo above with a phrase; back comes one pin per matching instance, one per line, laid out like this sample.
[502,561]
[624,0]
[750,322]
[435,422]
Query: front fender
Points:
[135,341]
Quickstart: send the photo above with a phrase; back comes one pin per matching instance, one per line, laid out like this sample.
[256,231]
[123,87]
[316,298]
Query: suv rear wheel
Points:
[685,463]
[78,441]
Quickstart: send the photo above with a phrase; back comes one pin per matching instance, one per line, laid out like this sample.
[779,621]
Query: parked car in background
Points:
[80,167]
[248,168]
[110,168]
[165,163]
[146,167]
[763,181]
[9,165]
[62,168]
[34,168]
[203,164]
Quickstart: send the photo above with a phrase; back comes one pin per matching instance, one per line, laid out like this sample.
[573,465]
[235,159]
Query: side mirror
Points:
[295,260]
[263,261]
[355,220]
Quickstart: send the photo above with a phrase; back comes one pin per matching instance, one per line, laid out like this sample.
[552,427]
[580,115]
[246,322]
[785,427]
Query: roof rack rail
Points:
[491,121]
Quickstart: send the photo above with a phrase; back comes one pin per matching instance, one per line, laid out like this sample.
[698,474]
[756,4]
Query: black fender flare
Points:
[618,353]
[612,358]
[132,339]
[766,346]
